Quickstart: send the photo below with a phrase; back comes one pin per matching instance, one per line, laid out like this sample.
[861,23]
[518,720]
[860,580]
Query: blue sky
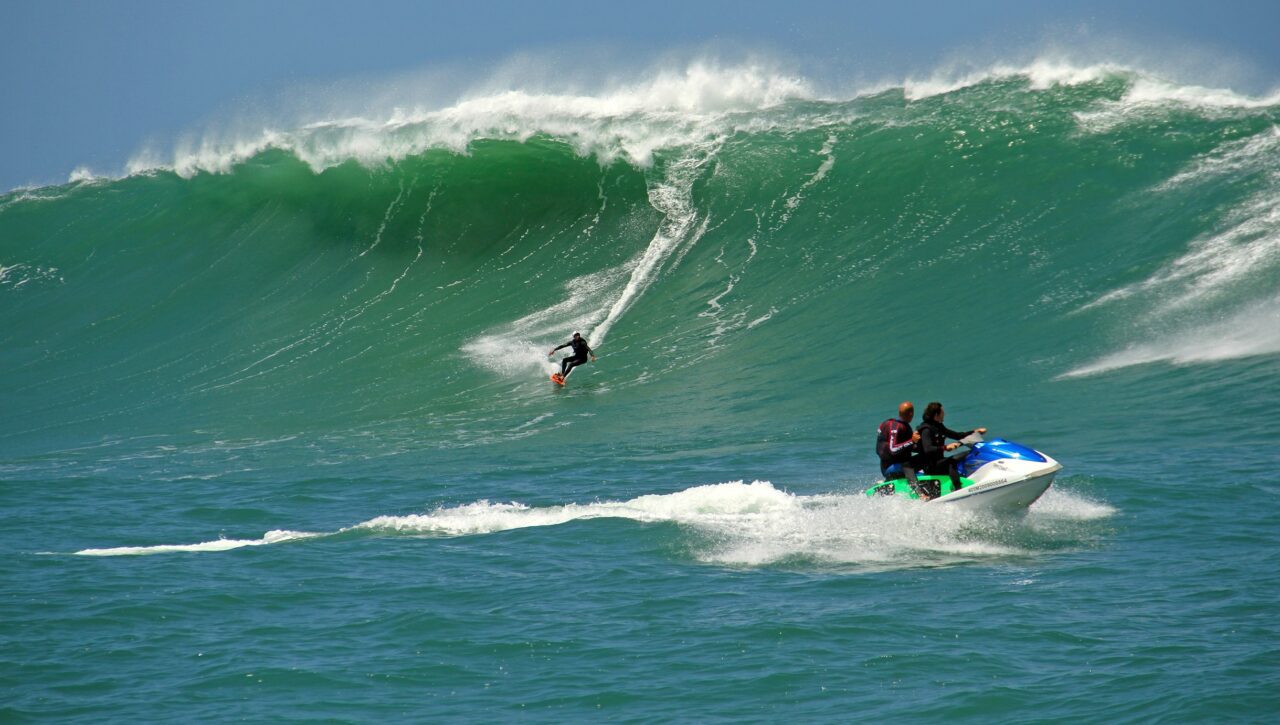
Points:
[89,83]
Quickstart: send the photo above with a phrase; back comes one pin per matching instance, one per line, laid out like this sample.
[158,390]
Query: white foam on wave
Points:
[1216,264]
[1149,95]
[734,523]
[669,109]
[17,276]
[598,301]
[27,195]
[1250,332]
[1215,301]
[1041,74]
[1145,93]
[1152,90]
[673,197]
[827,152]
[83,174]
[1252,155]
[511,350]
[658,108]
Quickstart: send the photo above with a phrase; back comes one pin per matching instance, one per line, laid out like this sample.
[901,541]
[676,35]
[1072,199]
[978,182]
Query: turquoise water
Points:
[277,437]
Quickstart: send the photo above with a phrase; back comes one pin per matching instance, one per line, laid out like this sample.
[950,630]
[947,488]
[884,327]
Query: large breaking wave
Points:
[698,224]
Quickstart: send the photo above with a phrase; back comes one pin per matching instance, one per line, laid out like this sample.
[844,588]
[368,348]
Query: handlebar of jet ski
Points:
[966,444]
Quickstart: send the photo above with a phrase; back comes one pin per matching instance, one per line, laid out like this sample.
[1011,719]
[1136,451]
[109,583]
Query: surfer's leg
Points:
[909,472]
[570,363]
[954,474]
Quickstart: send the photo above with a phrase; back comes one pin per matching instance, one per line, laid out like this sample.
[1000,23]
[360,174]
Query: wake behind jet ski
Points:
[995,475]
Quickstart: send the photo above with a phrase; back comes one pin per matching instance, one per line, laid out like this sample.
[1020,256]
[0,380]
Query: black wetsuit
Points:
[932,459]
[580,352]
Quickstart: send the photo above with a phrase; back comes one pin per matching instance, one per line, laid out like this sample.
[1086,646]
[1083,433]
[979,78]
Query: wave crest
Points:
[663,109]
[630,121]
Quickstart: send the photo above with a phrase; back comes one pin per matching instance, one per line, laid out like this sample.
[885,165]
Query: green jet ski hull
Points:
[900,487]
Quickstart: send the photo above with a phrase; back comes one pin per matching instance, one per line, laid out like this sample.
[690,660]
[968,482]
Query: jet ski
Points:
[995,475]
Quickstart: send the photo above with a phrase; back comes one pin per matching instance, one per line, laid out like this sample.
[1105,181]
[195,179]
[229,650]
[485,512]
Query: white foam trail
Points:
[848,530]
[271,537]
[1059,504]
[1252,331]
[829,160]
[763,318]
[724,502]
[595,300]
[673,197]
[510,350]
[391,211]
[509,357]
[734,523]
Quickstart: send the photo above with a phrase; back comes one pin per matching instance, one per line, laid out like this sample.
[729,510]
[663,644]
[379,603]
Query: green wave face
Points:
[795,270]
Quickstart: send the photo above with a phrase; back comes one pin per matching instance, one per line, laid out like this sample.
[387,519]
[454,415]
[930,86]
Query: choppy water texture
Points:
[277,436]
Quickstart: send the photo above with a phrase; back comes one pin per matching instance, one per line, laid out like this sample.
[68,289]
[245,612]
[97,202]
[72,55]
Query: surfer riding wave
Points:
[581,350]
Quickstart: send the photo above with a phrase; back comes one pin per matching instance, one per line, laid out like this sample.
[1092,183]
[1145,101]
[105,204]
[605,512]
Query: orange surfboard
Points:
[557,378]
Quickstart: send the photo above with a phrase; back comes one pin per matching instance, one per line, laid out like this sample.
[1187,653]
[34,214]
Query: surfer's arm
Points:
[959,436]
[553,350]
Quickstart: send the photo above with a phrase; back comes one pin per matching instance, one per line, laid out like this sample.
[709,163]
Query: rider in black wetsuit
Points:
[580,352]
[932,459]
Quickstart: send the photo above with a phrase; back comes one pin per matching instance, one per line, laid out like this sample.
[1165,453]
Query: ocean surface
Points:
[277,438]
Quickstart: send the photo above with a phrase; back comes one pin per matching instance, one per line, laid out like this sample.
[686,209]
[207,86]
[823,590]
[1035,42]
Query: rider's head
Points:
[576,335]
[934,411]
[906,411]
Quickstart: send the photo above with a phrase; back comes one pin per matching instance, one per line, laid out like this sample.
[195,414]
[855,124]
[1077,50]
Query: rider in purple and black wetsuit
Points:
[896,443]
